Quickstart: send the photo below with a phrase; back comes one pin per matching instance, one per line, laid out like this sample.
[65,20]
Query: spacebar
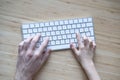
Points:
[59,47]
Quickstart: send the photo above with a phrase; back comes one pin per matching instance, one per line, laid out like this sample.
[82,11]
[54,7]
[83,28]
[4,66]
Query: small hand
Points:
[30,59]
[85,51]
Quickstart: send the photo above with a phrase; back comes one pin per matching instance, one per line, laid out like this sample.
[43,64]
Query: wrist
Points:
[87,64]
[21,76]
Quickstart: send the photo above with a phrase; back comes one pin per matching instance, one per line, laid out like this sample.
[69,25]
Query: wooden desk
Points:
[62,65]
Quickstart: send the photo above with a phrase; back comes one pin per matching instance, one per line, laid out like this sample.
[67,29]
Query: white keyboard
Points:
[60,32]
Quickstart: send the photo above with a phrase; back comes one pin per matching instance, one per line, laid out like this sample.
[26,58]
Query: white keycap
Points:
[32,25]
[54,37]
[76,30]
[73,35]
[52,33]
[64,27]
[88,34]
[83,25]
[39,29]
[56,23]
[34,30]
[72,31]
[41,24]
[80,20]
[86,29]
[26,36]
[51,23]
[62,32]
[57,42]
[30,31]
[59,27]
[66,21]
[78,25]
[57,32]
[83,34]
[59,37]
[54,28]
[62,42]
[36,24]
[71,40]
[70,21]
[92,33]
[67,40]
[75,20]
[64,36]
[52,42]
[47,24]
[89,24]
[69,26]
[89,19]
[81,30]
[24,26]
[25,31]
[43,34]
[69,36]
[73,26]
[67,31]
[33,34]
[61,22]
[48,33]
[45,29]
[49,28]
[85,20]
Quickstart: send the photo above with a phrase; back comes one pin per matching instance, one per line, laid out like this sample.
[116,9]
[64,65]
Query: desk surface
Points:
[62,65]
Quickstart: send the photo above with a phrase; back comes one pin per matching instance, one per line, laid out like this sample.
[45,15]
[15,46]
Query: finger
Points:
[78,40]
[34,41]
[86,41]
[46,55]
[20,47]
[94,46]
[27,42]
[42,47]
[75,51]
[90,44]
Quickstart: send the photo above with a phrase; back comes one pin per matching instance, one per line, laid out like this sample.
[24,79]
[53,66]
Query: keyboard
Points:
[60,32]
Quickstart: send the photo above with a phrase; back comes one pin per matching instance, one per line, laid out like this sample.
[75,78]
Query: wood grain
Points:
[61,64]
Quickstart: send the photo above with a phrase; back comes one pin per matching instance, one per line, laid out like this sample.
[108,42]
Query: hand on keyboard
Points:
[85,51]
[30,58]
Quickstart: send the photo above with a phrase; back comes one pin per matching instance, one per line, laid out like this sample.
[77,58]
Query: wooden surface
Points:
[62,65]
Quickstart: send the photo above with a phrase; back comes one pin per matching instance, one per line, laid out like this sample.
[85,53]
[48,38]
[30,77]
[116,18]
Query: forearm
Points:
[90,70]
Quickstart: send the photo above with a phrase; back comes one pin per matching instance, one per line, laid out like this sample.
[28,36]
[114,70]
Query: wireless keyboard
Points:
[60,32]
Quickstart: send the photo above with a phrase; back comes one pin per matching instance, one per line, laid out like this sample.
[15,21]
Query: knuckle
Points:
[36,56]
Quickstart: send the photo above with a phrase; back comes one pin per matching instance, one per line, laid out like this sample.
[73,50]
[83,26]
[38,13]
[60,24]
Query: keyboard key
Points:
[67,40]
[89,19]
[89,24]
[45,29]
[71,40]
[75,20]
[41,24]
[66,21]
[62,32]
[69,36]
[52,33]
[80,20]
[64,27]
[47,24]
[49,28]
[72,31]
[73,35]
[83,25]
[73,26]
[59,37]
[26,36]
[78,25]
[35,30]
[62,42]
[47,33]
[57,42]
[39,29]
[24,31]
[70,21]
[24,26]
[54,28]
[56,23]
[64,36]
[32,26]
[51,23]
[69,26]
[59,27]
[85,20]
[54,37]
[52,42]
[67,31]
[61,22]
[57,32]
[30,31]
[36,24]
